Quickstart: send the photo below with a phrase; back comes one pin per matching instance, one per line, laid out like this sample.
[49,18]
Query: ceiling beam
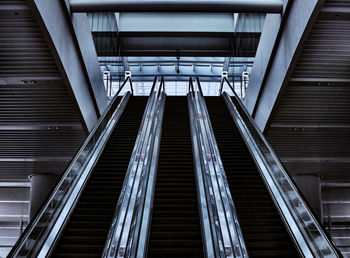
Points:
[226,65]
[126,64]
[213,6]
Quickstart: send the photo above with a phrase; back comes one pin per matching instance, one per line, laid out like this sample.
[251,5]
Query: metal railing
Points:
[128,234]
[127,79]
[41,233]
[222,233]
[300,221]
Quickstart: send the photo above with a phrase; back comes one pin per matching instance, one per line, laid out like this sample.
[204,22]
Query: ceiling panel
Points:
[310,125]
[312,117]
[40,129]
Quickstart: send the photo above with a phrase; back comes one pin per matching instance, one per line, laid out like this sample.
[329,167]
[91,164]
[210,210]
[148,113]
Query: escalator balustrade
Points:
[263,230]
[175,227]
[87,229]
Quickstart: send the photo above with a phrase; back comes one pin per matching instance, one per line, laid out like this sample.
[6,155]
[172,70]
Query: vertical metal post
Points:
[153,85]
[241,83]
[131,87]
[200,87]
[190,85]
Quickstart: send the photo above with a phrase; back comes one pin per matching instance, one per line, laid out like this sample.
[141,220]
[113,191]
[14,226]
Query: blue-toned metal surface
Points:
[302,225]
[129,231]
[222,233]
[176,34]
[173,69]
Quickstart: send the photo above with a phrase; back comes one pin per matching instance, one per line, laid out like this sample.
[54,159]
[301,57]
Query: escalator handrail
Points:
[127,79]
[32,239]
[300,221]
[129,230]
[146,215]
[222,233]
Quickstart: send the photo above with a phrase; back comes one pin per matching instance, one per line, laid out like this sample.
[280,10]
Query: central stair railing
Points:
[220,226]
[307,233]
[42,232]
[128,234]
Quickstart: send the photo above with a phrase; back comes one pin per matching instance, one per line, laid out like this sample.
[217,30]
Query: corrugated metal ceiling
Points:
[310,125]
[40,129]
[312,117]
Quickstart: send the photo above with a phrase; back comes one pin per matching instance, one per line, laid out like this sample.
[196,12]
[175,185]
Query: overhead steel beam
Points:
[226,66]
[213,6]
[126,63]
[279,48]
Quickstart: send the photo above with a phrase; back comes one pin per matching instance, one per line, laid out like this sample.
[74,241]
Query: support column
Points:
[310,186]
[70,40]
[279,48]
[41,186]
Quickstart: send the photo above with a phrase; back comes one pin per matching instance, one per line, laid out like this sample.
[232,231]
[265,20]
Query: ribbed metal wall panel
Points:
[326,52]
[312,117]
[310,125]
[23,49]
[19,169]
[336,205]
[337,3]
[37,103]
[314,103]
[40,128]
[311,142]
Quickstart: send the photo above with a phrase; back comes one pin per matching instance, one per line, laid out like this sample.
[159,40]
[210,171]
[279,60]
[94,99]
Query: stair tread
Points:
[87,229]
[263,230]
[175,227]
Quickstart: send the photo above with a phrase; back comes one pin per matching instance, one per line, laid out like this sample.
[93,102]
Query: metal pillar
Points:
[214,6]
[41,186]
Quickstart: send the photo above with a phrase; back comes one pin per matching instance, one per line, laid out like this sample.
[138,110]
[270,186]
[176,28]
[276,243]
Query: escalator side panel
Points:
[175,226]
[87,229]
[263,230]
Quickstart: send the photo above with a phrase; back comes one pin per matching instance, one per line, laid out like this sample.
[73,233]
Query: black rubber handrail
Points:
[243,112]
[32,224]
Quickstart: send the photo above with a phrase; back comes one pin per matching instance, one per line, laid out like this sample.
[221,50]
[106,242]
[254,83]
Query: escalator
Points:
[160,212]
[262,227]
[86,231]
[175,227]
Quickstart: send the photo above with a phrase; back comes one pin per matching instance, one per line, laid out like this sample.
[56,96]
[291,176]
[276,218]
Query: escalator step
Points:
[87,229]
[175,226]
[263,230]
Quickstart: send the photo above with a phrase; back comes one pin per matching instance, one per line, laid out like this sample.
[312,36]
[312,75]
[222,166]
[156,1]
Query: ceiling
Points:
[40,129]
[310,124]
[176,34]
[176,45]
